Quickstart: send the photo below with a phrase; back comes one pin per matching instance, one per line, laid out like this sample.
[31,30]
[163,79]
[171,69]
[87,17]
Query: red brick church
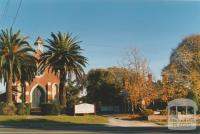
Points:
[43,88]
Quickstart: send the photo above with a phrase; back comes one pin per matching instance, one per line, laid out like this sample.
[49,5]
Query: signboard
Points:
[84,108]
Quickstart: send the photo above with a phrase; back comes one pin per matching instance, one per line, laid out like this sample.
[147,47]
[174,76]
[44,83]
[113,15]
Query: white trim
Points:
[34,87]
[27,92]
[52,91]
[14,84]
[49,93]
[49,83]
[27,84]
[19,93]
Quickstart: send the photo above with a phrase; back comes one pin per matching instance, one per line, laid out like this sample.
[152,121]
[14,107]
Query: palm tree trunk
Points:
[23,92]
[9,90]
[62,92]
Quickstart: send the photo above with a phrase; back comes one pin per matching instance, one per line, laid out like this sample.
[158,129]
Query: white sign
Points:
[84,108]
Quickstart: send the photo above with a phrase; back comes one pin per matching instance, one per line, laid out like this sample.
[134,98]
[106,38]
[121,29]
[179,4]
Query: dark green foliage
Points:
[28,108]
[158,104]
[1,105]
[73,89]
[192,95]
[7,109]
[51,109]
[64,110]
[146,112]
[104,85]
[23,109]
[163,112]
[3,97]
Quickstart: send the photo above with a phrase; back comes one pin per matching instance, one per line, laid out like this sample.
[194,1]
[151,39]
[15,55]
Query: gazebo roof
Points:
[182,102]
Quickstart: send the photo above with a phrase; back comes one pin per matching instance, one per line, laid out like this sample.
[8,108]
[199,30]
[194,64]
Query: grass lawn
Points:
[55,120]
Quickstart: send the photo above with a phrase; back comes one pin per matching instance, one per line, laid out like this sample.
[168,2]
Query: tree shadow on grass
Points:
[47,125]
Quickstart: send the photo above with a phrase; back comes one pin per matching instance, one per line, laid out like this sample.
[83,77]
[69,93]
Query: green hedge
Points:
[50,109]
[7,109]
[163,112]
[147,112]
[23,109]
[28,108]
[12,109]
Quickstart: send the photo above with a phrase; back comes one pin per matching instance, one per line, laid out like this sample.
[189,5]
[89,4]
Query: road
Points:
[115,126]
[95,130]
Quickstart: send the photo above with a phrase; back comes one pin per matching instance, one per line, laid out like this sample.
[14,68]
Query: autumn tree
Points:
[182,73]
[138,81]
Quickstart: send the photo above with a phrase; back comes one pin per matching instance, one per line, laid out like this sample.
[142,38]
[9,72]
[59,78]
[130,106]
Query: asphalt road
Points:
[102,129]
[115,126]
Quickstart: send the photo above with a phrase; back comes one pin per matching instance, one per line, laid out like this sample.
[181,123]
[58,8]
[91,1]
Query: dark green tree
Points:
[104,85]
[73,90]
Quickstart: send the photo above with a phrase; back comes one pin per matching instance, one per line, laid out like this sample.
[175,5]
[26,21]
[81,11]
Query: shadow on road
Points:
[43,124]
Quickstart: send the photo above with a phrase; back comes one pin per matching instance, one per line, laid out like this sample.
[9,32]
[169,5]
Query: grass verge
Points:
[55,120]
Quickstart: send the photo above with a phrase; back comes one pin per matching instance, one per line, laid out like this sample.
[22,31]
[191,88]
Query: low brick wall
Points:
[157,117]
[198,116]
[163,117]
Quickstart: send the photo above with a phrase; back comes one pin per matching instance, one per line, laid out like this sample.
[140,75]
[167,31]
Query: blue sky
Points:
[108,28]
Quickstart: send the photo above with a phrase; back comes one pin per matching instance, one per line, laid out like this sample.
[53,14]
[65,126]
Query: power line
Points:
[19,6]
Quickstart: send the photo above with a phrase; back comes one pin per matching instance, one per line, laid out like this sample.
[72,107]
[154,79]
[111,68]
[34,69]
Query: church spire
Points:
[39,44]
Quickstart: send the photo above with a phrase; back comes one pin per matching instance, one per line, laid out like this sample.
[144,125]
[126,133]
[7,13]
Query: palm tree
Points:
[16,56]
[28,72]
[64,58]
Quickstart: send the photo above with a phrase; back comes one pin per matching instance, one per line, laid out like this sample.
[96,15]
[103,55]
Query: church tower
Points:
[39,44]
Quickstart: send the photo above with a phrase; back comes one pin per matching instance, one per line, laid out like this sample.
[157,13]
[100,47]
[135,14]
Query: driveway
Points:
[113,121]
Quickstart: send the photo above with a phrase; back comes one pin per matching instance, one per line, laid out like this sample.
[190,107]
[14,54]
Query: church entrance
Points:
[38,97]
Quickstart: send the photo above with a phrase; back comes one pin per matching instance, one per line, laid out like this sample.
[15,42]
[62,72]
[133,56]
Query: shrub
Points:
[147,112]
[1,107]
[163,112]
[50,109]
[21,108]
[136,117]
[7,109]
[28,108]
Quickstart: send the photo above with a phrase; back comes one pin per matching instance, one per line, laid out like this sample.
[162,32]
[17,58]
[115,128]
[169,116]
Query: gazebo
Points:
[182,114]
